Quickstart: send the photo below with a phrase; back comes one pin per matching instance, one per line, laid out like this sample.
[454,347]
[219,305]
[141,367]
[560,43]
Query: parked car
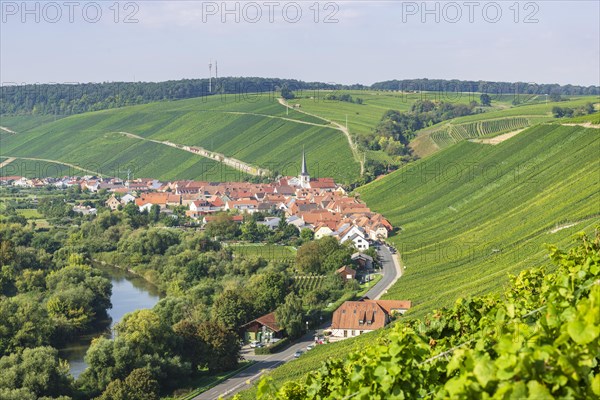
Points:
[298,353]
[310,347]
[256,344]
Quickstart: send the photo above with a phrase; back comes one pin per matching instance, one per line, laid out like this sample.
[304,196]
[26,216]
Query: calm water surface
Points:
[129,293]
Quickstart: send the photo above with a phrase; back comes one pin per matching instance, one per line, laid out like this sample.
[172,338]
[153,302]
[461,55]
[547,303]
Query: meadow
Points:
[22,123]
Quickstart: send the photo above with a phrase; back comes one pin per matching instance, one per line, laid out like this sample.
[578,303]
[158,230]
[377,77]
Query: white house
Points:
[146,207]
[359,241]
[128,198]
[270,222]
[378,231]
[201,206]
[355,234]
[322,231]
[248,206]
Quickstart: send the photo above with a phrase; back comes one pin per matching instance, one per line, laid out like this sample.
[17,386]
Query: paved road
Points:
[391,272]
[263,364]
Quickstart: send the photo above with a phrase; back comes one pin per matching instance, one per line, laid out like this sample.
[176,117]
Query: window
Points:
[345,333]
[353,333]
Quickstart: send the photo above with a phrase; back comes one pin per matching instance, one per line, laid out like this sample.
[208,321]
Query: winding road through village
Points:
[392,271]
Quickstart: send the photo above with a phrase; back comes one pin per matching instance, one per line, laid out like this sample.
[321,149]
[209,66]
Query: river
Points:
[129,293]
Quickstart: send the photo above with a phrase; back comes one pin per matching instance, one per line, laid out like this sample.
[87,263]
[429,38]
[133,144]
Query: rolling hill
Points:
[256,130]
[491,123]
[474,212]
[248,134]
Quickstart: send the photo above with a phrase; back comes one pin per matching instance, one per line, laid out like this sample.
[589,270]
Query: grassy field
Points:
[474,212]
[258,131]
[30,213]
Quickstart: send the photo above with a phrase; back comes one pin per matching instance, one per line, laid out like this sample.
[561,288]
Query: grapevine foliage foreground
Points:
[538,341]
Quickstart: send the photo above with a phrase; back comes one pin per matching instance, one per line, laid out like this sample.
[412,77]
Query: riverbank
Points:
[130,292]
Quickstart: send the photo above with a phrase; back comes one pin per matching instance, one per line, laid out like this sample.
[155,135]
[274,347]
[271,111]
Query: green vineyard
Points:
[472,213]
[307,283]
[451,134]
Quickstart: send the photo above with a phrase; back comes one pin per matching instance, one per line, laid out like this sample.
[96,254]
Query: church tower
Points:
[304,177]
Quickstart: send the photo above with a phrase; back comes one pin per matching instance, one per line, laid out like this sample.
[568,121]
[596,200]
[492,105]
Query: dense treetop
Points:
[74,98]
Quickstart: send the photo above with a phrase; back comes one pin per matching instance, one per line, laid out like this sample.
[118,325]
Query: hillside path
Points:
[200,151]
[7,161]
[56,162]
[583,124]
[277,117]
[337,126]
[5,129]
[497,139]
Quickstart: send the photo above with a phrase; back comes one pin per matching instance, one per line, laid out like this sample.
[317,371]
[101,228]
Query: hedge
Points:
[261,351]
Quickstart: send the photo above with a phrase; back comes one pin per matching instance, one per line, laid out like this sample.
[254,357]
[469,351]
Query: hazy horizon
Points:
[337,42]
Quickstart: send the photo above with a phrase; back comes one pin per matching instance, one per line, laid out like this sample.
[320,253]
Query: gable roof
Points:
[345,271]
[366,314]
[269,320]
[393,305]
[359,315]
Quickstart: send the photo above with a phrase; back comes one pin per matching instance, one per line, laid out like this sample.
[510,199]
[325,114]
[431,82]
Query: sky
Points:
[335,42]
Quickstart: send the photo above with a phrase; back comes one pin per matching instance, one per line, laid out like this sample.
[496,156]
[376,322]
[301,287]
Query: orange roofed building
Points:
[357,317]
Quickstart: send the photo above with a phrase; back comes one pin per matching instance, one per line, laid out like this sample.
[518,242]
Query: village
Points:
[318,205]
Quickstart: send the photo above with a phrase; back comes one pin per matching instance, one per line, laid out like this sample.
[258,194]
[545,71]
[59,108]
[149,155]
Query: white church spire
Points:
[304,176]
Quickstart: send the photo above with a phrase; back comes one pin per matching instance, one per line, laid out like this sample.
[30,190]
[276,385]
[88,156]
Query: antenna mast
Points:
[210,77]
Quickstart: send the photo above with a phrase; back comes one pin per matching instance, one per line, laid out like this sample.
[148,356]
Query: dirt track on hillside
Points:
[337,126]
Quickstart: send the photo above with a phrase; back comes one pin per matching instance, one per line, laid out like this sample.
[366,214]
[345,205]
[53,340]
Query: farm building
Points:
[346,273]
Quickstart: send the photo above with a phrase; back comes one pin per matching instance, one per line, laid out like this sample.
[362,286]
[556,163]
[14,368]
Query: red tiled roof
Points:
[350,314]
[269,321]
[390,305]
[373,314]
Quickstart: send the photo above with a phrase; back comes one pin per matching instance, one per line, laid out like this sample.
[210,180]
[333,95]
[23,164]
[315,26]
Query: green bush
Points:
[261,351]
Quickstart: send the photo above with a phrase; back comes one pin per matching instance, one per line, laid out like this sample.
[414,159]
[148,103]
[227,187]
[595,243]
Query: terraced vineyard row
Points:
[260,133]
[472,213]
[308,282]
[451,134]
